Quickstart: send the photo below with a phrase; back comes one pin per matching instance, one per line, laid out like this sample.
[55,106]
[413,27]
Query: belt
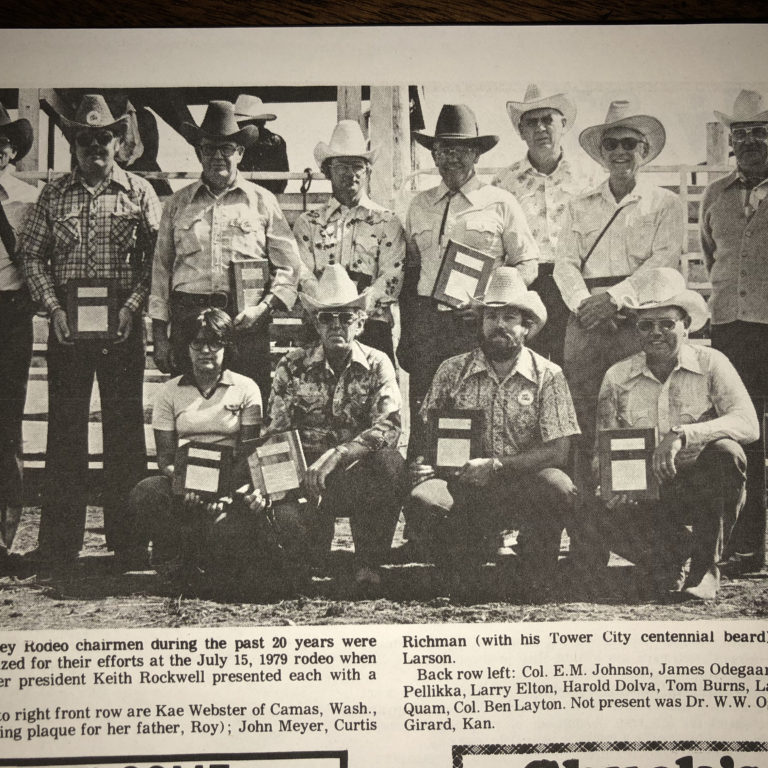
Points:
[604,282]
[219,299]
[546,268]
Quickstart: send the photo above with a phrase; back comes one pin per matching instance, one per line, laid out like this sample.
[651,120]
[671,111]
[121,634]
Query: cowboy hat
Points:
[334,289]
[249,108]
[18,132]
[665,287]
[747,108]
[620,116]
[219,124]
[93,112]
[507,289]
[534,100]
[347,140]
[457,122]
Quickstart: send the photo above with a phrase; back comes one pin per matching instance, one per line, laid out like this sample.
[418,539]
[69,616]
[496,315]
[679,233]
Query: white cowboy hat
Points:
[620,116]
[534,100]
[249,107]
[334,290]
[747,108]
[665,287]
[347,140]
[507,289]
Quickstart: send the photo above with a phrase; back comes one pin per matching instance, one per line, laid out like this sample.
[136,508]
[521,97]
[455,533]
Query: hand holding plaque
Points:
[464,273]
[92,309]
[204,469]
[454,437]
[250,277]
[278,465]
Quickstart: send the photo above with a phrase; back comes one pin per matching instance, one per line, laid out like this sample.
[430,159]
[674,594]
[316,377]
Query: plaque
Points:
[464,273]
[92,309]
[205,468]
[454,437]
[250,277]
[278,465]
[626,463]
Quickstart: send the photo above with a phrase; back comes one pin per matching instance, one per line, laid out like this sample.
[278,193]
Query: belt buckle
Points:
[218,300]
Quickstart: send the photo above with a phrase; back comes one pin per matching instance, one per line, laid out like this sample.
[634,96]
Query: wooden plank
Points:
[349,103]
[391,137]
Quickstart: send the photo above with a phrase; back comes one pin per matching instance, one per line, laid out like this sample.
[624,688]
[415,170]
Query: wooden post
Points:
[349,103]
[391,136]
[29,108]
[717,148]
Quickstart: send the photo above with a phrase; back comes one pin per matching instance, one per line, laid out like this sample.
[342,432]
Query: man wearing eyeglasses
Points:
[734,238]
[543,182]
[100,222]
[204,227]
[702,410]
[624,226]
[343,398]
[352,230]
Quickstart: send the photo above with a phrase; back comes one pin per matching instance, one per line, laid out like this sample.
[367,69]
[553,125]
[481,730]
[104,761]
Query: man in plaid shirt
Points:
[98,221]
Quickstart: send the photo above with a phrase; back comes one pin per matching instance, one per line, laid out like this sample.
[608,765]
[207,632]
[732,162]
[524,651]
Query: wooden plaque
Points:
[626,462]
[454,437]
[250,278]
[278,465]
[464,273]
[92,309]
[205,468]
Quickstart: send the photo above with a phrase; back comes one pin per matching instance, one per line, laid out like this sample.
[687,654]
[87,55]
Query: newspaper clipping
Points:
[328,597]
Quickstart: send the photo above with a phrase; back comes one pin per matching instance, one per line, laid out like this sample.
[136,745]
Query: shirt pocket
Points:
[243,235]
[586,233]
[185,238]
[66,234]
[364,267]
[123,230]
[481,230]
[640,236]
[421,234]
[632,410]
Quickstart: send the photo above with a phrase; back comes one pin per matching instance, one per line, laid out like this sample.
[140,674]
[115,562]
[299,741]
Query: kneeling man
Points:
[703,413]
[344,400]
[529,419]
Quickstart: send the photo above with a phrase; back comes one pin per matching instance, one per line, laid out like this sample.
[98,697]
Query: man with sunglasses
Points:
[622,227]
[734,238]
[543,182]
[352,230]
[99,222]
[16,312]
[343,398]
[700,406]
[204,227]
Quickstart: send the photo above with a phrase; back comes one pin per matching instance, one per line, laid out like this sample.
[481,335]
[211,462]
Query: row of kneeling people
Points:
[102,222]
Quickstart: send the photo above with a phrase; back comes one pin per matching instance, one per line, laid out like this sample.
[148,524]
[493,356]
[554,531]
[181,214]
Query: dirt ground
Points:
[411,594]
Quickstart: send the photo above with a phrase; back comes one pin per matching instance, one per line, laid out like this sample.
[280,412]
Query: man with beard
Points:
[351,230]
[518,482]
[100,222]
[734,239]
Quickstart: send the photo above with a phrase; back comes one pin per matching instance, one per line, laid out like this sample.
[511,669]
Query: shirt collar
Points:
[686,358]
[317,356]
[641,190]
[116,175]
[739,176]
[239,183]
[561,167]
[226,380]
[469,186]
[333,206]
[524,365]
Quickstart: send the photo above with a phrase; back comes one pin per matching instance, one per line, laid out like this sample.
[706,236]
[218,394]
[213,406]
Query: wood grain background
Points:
[218,13]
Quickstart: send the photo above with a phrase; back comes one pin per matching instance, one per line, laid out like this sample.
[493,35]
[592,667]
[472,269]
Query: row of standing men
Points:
[574,243]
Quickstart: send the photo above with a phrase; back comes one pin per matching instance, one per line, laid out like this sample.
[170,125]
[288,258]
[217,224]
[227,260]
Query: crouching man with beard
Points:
[518,482]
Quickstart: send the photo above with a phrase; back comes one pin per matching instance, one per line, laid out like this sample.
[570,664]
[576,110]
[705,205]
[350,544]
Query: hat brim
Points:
[692,303]
[559,102]
[483,143]
[71,128]
[311,304]
[532,305]
[324,152]
[19,133]
[243,120]
[729,120]
[244,137]
[648,126]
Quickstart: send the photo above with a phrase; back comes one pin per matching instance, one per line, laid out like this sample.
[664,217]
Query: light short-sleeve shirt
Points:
[16,197]
[531,406]
[181,408]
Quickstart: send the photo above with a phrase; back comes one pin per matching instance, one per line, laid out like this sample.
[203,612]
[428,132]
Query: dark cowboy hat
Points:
[93,112]
[458,123]
[18,132]
[220,124]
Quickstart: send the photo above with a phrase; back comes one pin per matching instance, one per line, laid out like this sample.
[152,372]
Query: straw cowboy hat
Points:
[620,116]
[219,124]
[18,132]
[665,287]
[93,112]
[347,140]
[249,108]
[747,108]
[334,290]
[534,100]
[507,289]
[458,123]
